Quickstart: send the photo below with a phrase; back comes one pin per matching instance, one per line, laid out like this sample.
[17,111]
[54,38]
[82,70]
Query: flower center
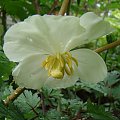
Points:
[59,64]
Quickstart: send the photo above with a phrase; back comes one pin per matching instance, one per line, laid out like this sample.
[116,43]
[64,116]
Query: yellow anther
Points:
[59,64]
[75,60]
[44,63]
[62,61]
[57,74]
[69,62]
[68,54]
[67,70]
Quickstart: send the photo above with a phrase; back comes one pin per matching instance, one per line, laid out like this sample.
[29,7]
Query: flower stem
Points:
[43,103]
[13,96]
[53,7]
[108,46]
[64,7]
[36,6]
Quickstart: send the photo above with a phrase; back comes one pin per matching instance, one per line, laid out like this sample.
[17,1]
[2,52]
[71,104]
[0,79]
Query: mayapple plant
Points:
[43,47]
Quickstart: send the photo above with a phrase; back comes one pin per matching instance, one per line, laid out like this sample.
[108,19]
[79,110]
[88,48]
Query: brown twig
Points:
[43,103]
[19,90]
[64,7]
[108,46]
[37,6]
[13,96]
[3,18]
[53,7]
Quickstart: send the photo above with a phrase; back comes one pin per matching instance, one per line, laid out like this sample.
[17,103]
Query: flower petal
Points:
[63,29]
[77,41]
[95,26]
[26,38]
[29,72]
[67,81]
[40,34]
[92,68]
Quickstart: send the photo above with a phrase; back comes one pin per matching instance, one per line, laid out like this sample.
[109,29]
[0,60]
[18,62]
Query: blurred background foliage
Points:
[80,102]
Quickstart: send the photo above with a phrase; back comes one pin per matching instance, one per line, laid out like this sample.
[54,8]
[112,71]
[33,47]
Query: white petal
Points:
[77,41]
[92,68]
[26,38]
[29,72]
[67,81]
[64,29]
[95,26]
[40,34]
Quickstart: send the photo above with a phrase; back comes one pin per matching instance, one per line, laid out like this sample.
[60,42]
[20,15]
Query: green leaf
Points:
[53,115]
[5,67]
[7,91]
[91,2]
[51,92]
[112,85]
[27,100]
[113,5]
[19,8]
[11,112]
[98,112]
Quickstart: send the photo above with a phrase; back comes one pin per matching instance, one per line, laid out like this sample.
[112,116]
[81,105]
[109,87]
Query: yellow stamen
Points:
[67,70]
[59,64]
[76,62]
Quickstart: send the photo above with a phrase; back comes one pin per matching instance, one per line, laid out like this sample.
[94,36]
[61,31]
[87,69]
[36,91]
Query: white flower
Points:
[42,44]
